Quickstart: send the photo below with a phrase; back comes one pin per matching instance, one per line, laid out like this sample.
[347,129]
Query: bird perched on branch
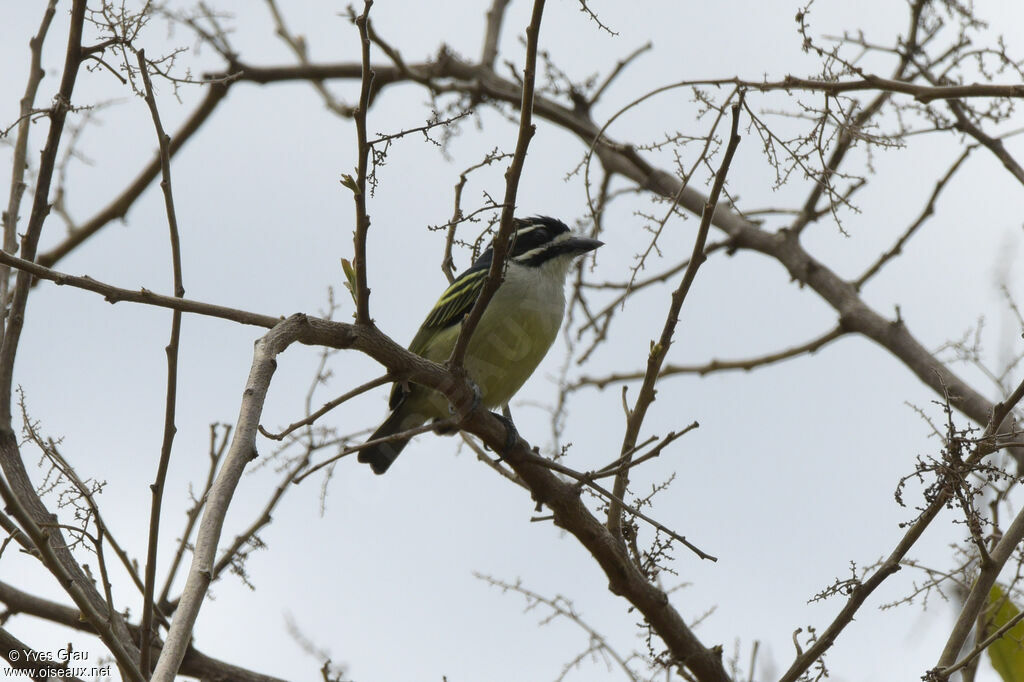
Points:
[514,334]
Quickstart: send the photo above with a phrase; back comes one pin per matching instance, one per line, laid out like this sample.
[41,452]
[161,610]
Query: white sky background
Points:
[789,478]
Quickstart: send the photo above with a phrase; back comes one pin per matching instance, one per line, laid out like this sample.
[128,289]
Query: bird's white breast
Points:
[517,329]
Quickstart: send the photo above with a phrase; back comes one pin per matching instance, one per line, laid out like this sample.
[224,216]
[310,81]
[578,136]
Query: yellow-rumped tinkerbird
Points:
[514,334]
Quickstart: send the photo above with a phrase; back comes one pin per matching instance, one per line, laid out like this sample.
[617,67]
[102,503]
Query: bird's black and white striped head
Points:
[540,239]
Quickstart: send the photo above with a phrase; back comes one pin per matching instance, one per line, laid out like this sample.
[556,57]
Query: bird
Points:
[513,335]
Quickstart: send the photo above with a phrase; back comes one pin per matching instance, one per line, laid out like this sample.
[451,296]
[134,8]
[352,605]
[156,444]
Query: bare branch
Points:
[980,647]
[119,207]
[993,144]
[59,562]
[926,213]
[512,175]
[298,47]
[1004,549]
[625,578]
[363,152]
[157,489]
[401,435]
[196,664]
[40,208]
[713,366]
[660,349]
[458,216]
[621,505]
[492,34]
[563,607]
[863,589]
[241,452]
[114,294]
[613,468]
[622,64]
[16,488]
[593,17]
[20,160]
[328,406]
[25,658]
[216,456]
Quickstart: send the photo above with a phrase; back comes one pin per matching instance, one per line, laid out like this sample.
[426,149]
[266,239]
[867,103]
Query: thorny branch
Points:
[588,480]
[860,592]
[562,607]
[659,349]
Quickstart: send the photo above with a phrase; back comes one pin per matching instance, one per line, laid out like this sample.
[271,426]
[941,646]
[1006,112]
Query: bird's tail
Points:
[380,456]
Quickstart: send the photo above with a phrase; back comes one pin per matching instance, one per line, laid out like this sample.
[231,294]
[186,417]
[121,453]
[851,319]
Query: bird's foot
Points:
[511,433]
[478,398]
[444,427]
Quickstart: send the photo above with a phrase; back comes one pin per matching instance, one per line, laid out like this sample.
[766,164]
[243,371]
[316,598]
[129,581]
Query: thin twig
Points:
[993,144]
[58,461]
[298,47]
[563,607]
[20,160]
[40,207]
[980,647]
[1004,549]
[660,349]
[494,464]
[229,556]
[363,154]
[120,205]
[216,455]
[114,294]
[170,429]
[629,289]
[927,212]
[242,450]
[328,406]
[492,34]
[512,175]
[401,435]
[622,64]
[587,480]
[458,216]
[627,459]
[985,445]
[16,488]
[745,364]
[100,620]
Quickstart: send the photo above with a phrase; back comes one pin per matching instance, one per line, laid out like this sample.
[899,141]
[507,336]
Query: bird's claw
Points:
[511,433]
[478,398]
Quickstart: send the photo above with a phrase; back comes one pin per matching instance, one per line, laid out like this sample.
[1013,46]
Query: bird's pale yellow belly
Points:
[506,347]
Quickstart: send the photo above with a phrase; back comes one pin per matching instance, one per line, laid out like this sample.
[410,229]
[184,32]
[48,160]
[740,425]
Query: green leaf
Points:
[350,182]
[1007,652]
[350,275]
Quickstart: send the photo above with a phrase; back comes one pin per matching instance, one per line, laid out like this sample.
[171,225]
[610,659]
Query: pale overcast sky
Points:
[789,478]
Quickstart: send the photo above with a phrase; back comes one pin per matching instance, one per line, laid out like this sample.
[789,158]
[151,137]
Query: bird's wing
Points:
[454,304]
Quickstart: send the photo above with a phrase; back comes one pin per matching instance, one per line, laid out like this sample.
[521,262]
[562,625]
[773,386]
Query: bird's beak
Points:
[581,245]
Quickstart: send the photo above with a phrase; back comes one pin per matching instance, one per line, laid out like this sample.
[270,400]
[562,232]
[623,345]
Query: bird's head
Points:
[540,240]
